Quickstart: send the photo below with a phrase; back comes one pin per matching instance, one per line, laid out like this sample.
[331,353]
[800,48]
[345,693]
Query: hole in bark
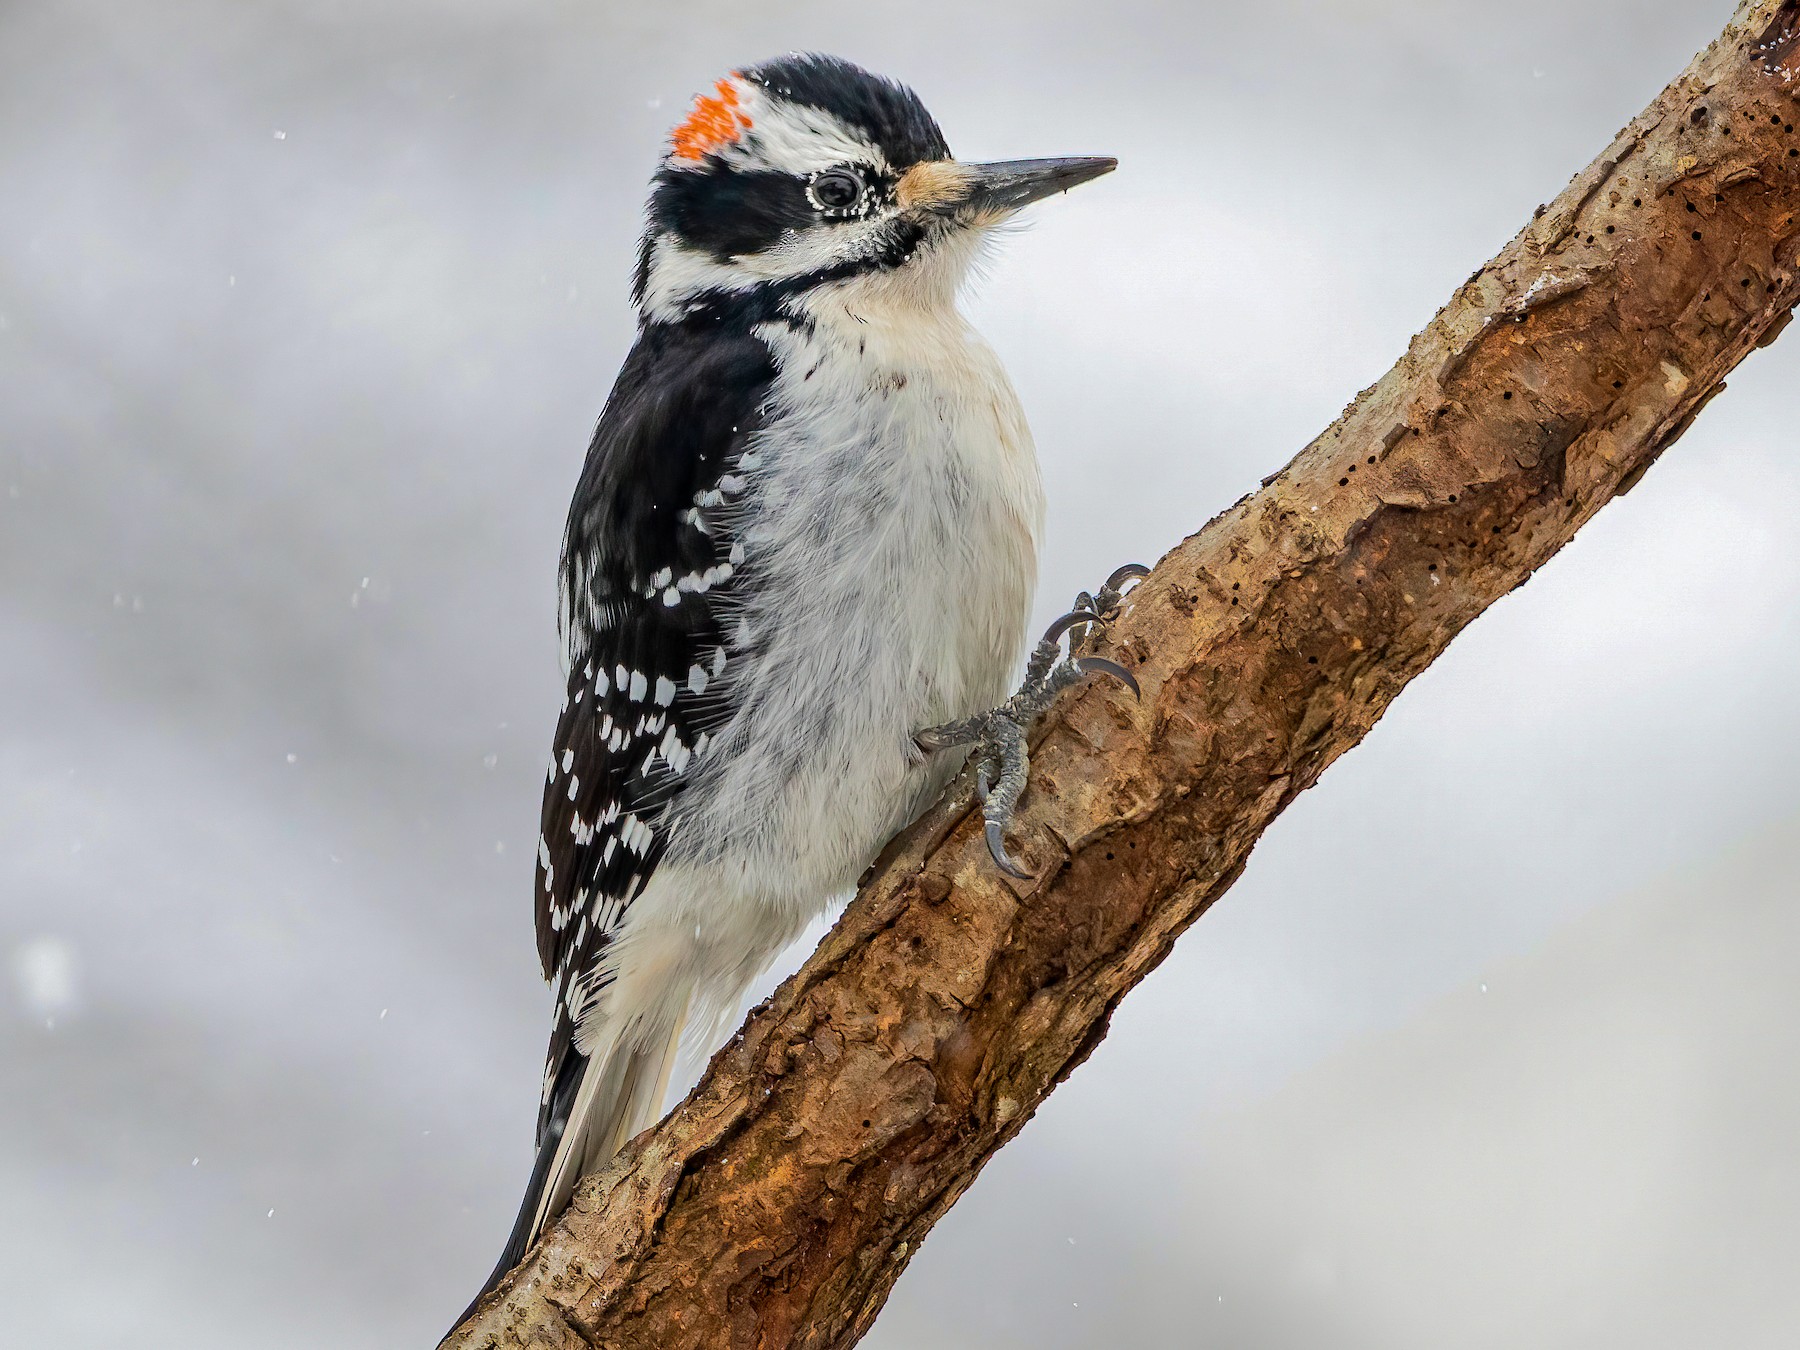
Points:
[867,1124]
[1696,234]
[1342,482]
[1312,660]
[1452,496]
[1692,208]
[1109,856]
[1637,201]
[1353,468]
[1371,459]
[1507,394]
[1431,567]
[1611,228]
[1618,384]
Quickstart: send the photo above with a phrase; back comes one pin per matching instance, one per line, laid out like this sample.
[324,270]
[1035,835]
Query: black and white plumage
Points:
[806,531]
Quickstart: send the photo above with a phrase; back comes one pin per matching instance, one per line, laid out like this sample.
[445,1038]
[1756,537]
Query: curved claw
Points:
[1129,572]
[996,842]
[1099,665]
[1073,619]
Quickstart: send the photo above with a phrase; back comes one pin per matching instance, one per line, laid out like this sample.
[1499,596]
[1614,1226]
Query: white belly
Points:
[892,533]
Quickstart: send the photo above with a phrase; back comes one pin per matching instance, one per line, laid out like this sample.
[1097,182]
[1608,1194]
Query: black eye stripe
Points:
[729,211]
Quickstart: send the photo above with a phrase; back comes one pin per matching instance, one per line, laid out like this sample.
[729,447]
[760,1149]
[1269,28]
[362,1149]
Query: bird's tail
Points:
[596,1105]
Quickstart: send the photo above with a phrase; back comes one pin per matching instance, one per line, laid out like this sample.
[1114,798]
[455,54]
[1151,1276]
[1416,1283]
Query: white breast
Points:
[891,525]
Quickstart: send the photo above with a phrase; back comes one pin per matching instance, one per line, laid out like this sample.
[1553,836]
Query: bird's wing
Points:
[650,565]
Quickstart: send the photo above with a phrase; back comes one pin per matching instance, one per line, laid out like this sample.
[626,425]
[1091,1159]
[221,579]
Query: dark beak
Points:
[1001,189]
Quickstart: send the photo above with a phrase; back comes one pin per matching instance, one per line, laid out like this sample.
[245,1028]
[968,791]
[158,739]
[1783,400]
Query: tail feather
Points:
[596,1106]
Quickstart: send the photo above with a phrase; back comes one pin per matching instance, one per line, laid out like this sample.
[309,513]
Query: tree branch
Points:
[777,1205]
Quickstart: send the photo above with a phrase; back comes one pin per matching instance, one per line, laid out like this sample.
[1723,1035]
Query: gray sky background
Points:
[306,311]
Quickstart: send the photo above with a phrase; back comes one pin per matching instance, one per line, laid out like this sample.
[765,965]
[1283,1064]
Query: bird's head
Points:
[807,173]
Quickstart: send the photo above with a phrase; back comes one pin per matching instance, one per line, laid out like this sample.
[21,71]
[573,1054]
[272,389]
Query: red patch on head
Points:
[715,122]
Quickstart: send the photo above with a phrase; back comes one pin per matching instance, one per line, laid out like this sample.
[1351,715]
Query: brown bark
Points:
[778,1204]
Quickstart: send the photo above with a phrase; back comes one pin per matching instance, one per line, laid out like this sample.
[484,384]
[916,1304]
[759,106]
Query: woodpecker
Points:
[795,577]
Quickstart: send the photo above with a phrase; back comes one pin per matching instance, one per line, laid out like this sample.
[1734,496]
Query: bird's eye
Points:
[836,190]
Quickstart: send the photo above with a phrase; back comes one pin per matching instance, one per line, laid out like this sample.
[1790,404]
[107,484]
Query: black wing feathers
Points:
[648,561]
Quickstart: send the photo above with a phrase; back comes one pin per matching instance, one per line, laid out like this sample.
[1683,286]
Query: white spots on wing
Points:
[635,835]
[574,787]
[731,484]
[543,851]
[696,680]
[737,554]
[718,661]
[638,686]
[701,742]
[665,691]
[749,459]
[621,677]
[601,685]
[612,845]
[674,752]
[568,760]
[662,578]
[711,497]
[671,597]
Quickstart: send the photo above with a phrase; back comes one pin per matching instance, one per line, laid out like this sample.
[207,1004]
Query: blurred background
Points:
[306,312]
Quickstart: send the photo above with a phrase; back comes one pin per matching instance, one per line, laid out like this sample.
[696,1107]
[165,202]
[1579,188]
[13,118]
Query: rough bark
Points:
[778,1204]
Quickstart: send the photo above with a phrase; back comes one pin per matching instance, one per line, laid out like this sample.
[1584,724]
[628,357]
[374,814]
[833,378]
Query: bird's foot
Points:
[996,738]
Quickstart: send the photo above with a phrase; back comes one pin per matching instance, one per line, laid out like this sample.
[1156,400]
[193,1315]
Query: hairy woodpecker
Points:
[797,568]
